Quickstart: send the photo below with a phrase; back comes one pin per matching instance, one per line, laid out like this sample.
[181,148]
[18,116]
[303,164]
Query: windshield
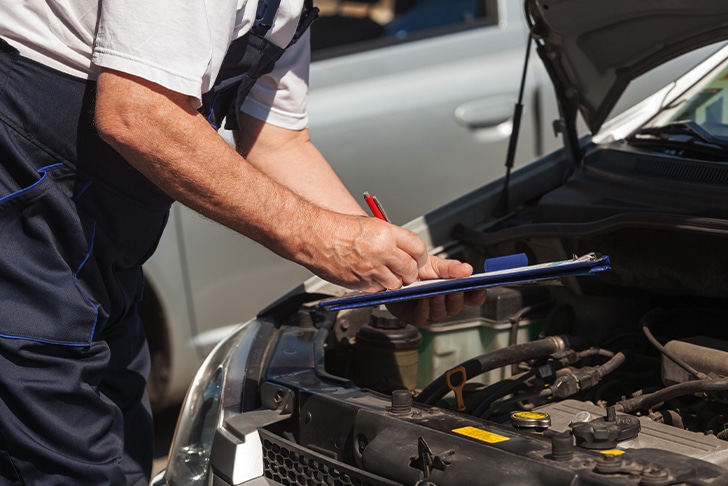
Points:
[705,105]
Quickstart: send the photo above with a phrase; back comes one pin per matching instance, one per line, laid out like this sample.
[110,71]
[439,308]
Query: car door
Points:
[422,113]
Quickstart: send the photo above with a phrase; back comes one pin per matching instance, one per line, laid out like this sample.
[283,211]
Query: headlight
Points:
[215,394]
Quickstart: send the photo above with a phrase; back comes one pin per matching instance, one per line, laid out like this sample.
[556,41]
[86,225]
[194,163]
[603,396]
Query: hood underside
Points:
[593,49]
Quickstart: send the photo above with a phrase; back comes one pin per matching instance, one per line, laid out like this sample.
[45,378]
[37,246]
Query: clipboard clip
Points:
[589,257]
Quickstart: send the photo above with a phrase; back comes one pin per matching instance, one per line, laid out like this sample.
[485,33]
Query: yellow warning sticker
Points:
[480,434]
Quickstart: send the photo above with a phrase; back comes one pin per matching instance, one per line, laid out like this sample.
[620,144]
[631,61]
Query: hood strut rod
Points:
[513,140]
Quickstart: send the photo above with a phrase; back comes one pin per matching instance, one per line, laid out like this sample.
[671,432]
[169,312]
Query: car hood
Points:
[593,49]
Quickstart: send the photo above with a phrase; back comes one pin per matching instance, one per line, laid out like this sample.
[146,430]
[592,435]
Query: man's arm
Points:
[162,135]
[290,158]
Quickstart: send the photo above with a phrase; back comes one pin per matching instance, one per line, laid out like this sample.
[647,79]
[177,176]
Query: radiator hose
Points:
[498,358]
[680,389]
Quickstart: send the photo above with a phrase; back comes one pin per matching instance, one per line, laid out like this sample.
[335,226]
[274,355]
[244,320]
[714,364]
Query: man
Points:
[97,99]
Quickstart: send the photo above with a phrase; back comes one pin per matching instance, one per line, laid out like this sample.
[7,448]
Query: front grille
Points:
[287,463]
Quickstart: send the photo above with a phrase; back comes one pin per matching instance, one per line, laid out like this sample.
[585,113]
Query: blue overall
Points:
[76,224]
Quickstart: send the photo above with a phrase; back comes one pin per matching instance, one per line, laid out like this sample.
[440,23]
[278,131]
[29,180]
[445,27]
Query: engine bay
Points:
[618,378]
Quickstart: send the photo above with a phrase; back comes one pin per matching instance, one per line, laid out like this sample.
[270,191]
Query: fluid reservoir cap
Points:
[386,331]
[606,432]
[530,420]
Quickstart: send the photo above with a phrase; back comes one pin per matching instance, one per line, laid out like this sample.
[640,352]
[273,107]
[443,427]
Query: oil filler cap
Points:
[530,420]
[605,432]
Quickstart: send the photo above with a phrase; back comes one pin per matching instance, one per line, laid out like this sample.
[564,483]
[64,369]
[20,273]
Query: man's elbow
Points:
[111,127]
[125,109]
[114,123]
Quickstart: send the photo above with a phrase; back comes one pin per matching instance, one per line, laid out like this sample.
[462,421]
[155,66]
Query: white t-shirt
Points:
[176,44]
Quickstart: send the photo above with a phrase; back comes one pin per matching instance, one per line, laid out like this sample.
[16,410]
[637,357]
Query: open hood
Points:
[592,49]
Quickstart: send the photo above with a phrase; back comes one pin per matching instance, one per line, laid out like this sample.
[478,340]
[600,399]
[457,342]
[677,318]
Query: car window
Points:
[347,26]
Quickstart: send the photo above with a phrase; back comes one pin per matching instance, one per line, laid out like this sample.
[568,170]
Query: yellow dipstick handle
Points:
[458,388]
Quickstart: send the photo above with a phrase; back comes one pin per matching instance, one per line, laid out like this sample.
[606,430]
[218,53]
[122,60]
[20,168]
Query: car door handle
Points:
[489,119]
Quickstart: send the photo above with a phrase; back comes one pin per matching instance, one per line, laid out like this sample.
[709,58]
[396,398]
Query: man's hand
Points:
[364,253]
[426,311]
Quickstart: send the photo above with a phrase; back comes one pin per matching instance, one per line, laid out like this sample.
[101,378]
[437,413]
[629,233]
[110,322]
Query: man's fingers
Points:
[390,281]
[413,246]
[438,308]
[430,310]
[408,269]
[401,267]
[454,304]
[475,297]
[441,268]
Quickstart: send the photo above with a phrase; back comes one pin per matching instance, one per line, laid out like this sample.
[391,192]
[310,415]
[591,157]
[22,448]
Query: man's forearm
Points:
[161,134]
[175,147]
[290,158]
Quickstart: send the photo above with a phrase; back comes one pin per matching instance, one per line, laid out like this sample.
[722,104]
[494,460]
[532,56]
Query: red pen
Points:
[376,208]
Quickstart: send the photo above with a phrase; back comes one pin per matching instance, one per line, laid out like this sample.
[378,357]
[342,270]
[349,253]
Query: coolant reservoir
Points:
[387,353]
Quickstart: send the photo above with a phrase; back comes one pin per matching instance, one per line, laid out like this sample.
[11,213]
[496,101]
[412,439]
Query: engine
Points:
[619,378]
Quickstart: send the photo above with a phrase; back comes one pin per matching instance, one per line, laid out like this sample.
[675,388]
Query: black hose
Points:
[604,353]
[670,392]
[662,349]
[582,379]
[612,364]
[516,324]
[545,393]
[542,348]
[516,319]
[502,391]
[656,316]
[496,392]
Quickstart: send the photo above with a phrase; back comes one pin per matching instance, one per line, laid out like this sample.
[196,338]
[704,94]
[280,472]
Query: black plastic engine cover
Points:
[461,452]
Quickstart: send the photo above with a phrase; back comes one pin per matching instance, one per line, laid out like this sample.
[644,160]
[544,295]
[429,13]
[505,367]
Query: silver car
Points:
[411,100]
[615,378]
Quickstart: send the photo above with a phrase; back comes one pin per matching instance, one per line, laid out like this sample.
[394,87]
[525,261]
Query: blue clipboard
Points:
[588,264]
